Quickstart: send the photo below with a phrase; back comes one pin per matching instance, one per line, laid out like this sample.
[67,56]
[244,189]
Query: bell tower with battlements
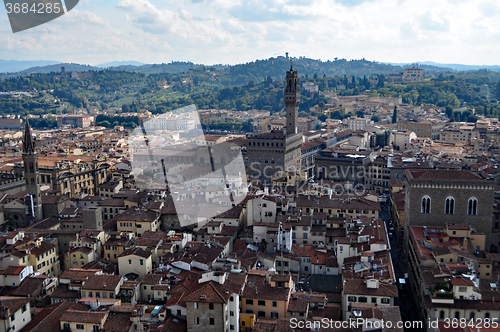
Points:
[292,101]
[33,199]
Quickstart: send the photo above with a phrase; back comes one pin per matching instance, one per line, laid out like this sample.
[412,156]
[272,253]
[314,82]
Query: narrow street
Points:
[406,302]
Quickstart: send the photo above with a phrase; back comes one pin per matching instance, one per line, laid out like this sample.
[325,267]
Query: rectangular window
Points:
[212,321]
[262,303]
[211,306]
[197,320]
[79,326]
[249,302]
[385,300]
[141,261]
[195,305]
[462,289]
[275,304]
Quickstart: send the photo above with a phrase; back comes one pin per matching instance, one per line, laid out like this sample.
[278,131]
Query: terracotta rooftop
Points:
[448,175]
[358,287]
[85,317]
[101,282]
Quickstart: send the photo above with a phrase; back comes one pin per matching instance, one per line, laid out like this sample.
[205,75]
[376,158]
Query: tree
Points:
[449,112]
[375,118]
[497,92]
[395,115]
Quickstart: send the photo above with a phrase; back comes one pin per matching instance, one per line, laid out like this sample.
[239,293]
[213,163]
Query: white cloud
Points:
[235,31]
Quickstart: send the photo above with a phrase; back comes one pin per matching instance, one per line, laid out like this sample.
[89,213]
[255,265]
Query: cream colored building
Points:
[413,74]
[138,221]
[78,257]
[135,260]
[459,134]
[15,313]
[45,258]
[85,321]
[102,286]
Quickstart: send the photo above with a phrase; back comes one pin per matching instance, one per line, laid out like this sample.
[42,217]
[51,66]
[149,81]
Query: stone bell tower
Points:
[33,199]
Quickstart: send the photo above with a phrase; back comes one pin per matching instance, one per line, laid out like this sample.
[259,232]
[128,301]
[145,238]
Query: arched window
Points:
[449,206]
[426,204]
[472,207]
[487,315]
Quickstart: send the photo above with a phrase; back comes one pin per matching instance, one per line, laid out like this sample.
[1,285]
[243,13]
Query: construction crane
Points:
[328,118]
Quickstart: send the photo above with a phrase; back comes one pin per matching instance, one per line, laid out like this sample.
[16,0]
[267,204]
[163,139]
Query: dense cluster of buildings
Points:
[279,230]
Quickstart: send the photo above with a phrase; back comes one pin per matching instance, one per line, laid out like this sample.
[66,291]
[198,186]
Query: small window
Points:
[249,301]
[262,303]
[212,321]
[79,326]
[211,306]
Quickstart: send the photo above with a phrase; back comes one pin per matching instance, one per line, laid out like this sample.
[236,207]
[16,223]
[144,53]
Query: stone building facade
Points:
[440,197]
[277,150]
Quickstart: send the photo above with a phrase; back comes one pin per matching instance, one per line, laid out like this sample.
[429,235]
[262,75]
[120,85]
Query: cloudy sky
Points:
[238,31]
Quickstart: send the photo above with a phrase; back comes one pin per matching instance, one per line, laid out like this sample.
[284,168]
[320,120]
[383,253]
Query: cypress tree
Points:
[395,115]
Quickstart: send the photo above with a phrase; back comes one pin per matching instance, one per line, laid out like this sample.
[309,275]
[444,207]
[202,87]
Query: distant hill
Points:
[13,66]
[460,67]
[57,68]
[171,68]
[426,65]
[120,64]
